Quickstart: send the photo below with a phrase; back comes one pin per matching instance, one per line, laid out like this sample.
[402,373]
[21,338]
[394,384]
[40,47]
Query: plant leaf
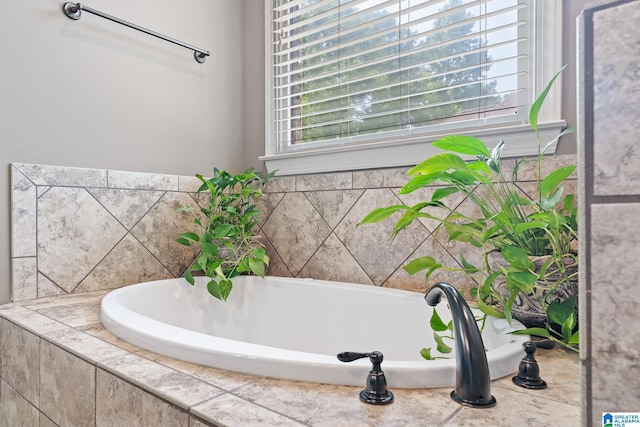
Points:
[257,266]
[436,322]
[426,353]
[190,236]
[183,241]
[535,108]
[516,257]
[419,264]
[462,144]
[551,181]
[559,312]
[489,311]
[443,192]
[441,347]
[214,289]
[380,214]
[438,163]
[225,288]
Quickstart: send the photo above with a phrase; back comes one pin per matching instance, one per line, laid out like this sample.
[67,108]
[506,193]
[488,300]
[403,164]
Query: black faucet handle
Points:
[350,356]
[376,387]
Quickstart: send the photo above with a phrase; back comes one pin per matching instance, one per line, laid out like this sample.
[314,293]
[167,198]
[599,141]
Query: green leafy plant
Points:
[227,241]
[527,245]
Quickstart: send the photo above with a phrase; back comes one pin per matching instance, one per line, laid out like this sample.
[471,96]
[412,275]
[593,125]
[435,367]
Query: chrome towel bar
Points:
[73,11]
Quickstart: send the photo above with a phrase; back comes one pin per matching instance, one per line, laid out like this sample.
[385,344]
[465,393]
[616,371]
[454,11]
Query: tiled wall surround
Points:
[610,193]
[77,230]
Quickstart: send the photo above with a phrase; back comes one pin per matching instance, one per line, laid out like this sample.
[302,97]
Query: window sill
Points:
[519,141]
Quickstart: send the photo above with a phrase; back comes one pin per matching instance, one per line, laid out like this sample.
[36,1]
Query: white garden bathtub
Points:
[293,329]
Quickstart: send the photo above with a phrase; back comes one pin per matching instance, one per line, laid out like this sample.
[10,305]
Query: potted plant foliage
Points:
[227,241]
[528,247]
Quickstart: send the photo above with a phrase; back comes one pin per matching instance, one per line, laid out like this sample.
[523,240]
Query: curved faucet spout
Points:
[473,383]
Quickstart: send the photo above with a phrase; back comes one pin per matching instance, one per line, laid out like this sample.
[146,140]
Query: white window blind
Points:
[352,70]
[360,84]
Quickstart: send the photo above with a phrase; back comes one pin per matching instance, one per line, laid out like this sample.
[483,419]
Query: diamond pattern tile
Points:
[333,205]
[296,230]
[370,243]
[74,233]
[127,206]
[159,228]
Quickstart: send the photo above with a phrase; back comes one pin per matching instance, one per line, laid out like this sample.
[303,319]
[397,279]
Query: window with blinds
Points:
[360,70]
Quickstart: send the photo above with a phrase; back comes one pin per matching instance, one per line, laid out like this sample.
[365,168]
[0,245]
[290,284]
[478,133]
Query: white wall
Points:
[92,93]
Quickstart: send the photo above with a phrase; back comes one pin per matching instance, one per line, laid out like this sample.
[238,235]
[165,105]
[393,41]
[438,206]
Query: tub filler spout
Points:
[473,383]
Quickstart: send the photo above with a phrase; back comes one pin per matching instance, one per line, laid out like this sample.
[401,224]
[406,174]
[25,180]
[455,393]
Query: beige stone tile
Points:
[266,205]
[225,380]
[325,181]
[333,205]
[74,315]
[380,178]
[509,411]
[142,181]
[122,404]
[23,215]
[277,267]
[230,411]
[15,410]
[371,244]
[615,297]
[528,170]
[19,359]
[24,278]
[296,230]
[45,421]
[63,175]
[177,387]
[67,387]
[188,184]
[84,345]
[99,331]
[333,406]
[62,300]
[46,288]
[332,261]
[160,227]
[616,105]
[280,184]
[31,320]
[127,206]
[195,422]
[128,263]
[74,233]
[559,368]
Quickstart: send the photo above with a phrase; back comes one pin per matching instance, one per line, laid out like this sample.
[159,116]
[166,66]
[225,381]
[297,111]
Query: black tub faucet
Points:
[473,383]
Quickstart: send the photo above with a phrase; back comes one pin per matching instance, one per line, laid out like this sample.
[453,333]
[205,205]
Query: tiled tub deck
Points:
[59,366]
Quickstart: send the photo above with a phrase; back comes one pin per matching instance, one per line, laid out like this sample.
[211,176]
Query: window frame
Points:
[398,149]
